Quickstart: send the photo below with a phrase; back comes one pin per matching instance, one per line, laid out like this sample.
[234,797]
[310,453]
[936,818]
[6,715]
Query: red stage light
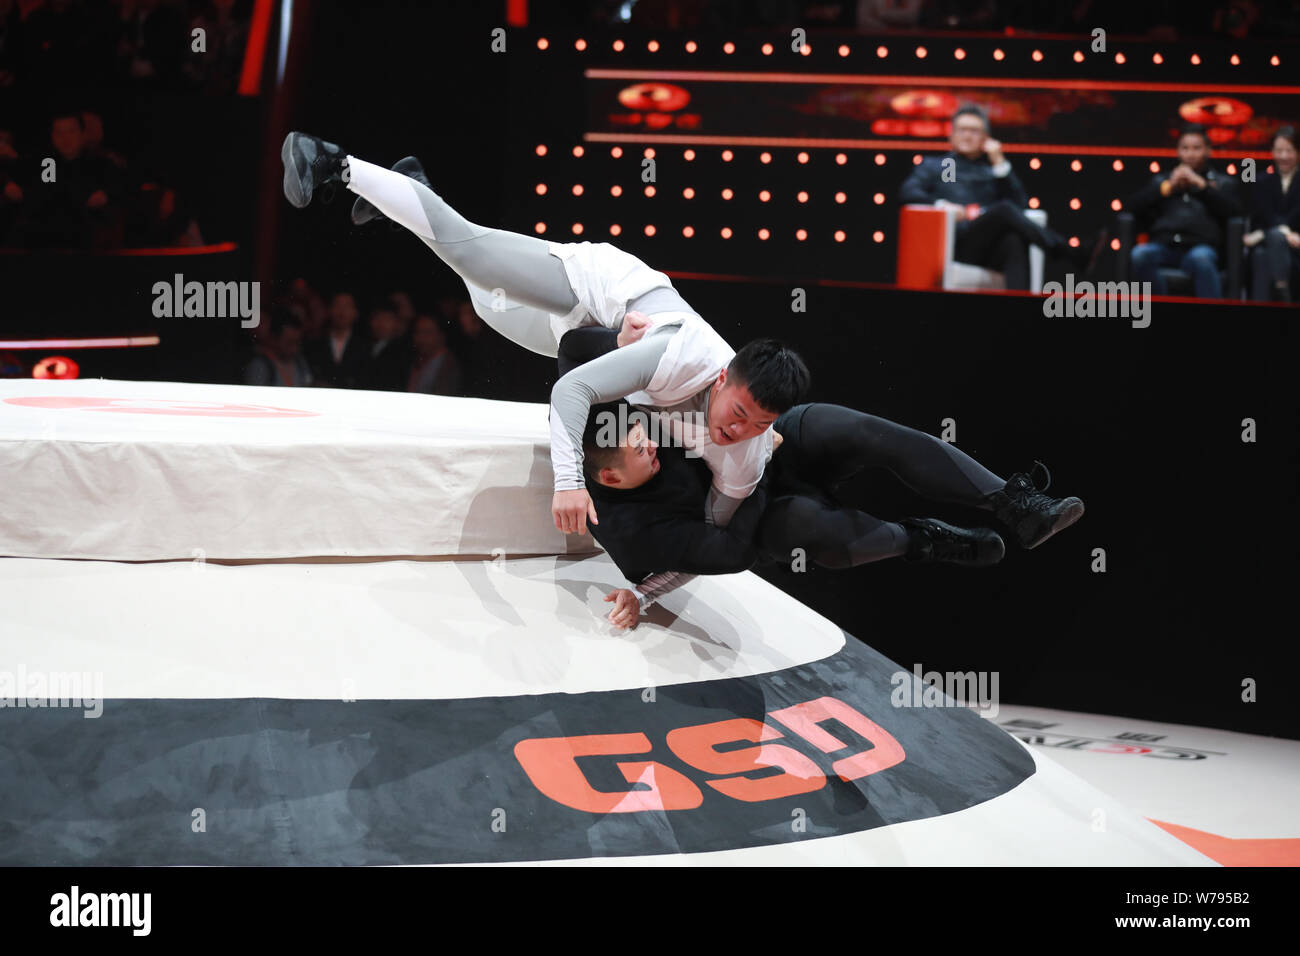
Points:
[959,54]
[805,50]
[1232,169]
[541,149]
[727,155]
[1119,58]
[1115,244]
[541,189]
[802,196]
[764,157]
[1037,56]
[616,190]
[688,155]
[616,152]
[878,236]
[763,233]
[618,45]
[615,229]
[688,193]
[727,194]
[878,198]
[839,235]
[578,151]
[1118,165]
[726,232]
[767,49]
[577,228]
[691,46]
[649,191]
[1035,163]
[649,152]
[882,51]
[1078,56]
[653,46]
[801,234]
[1074,241]
[840,159]
[843,197]
[1033,202]
[844,50]
[542,43]
[649,230]
[56,366]
[728,47]
[1157,58]
[1196,59]
[916,159]
[764,196]
[1234,60]
[1155,167]
[1116,205]
[1076,165]
[1074,203]
[688,231]
[880,159]
[1274,61]
[577,189]
[999,55]
[539,227]
[580,44]
[921,53]
[802,157]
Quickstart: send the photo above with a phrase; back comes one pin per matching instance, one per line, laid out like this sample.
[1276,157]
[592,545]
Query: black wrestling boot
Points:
[309,163]
[363,211]
[934,540]
[1031,515]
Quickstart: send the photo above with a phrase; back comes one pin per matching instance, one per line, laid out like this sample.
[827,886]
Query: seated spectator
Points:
[82,206]
[216,71]
[153,43]
[977,174]
[1275,224]
[338,357]
[389,360]
[434,369]
[280,361]
[159,219]
[1187,213]
[400,302]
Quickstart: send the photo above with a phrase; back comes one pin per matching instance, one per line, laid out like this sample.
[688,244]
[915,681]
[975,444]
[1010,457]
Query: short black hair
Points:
[282,317]
[776,376]
[1195,129]
[606,420]
[1287,133]
[970,109]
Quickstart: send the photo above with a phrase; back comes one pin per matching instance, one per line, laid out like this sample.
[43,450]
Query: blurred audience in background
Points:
[279,360]
[1274,238]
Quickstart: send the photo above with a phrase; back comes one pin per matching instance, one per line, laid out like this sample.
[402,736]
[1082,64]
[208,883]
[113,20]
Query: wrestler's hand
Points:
[627,609]
[571,509]
[634,327]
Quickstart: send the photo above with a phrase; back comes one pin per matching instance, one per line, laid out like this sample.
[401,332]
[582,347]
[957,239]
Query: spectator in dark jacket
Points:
[977,177]
[1275,224]
[1187,213]
[433,370]
[389,359]
[280,362]
[337,358]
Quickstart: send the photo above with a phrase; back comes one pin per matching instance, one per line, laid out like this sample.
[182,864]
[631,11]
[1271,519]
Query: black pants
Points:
[823,446]
[1275,263]
[999,238]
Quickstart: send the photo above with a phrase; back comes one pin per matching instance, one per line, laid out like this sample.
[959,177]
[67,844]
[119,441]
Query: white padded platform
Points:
[162,470]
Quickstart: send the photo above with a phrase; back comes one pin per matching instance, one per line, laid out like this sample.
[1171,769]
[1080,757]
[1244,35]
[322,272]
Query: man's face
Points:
[343,311]
[968,135]
[1193,150]
[638,464]
[66,137]
[383,324]
[734,416]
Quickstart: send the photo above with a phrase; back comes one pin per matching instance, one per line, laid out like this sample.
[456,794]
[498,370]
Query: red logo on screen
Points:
[158,406]
[656,97]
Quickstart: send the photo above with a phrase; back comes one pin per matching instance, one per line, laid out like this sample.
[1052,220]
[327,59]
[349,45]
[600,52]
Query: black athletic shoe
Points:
[1031,515]
[309,163]
[934,540]
[364,211]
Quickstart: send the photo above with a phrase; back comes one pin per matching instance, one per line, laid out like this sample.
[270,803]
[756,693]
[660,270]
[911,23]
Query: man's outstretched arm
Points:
[613,375]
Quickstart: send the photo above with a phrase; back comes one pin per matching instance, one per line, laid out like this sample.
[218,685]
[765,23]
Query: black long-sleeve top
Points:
[973,182]
[1270,207]
[660,526]
[1191,216]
